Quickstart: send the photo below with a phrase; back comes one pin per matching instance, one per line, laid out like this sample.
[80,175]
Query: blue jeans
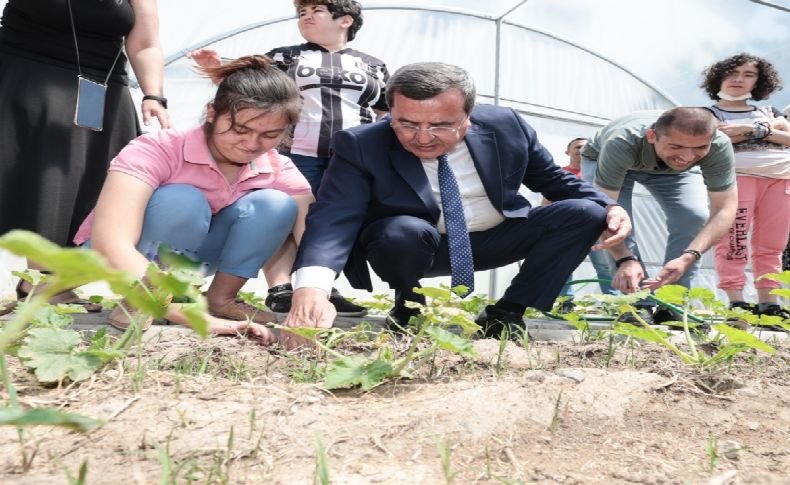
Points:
[237,240]
[601,260]
[312,168]
[684,200]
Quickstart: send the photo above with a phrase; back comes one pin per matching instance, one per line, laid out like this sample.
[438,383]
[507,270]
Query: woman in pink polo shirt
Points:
[219,193]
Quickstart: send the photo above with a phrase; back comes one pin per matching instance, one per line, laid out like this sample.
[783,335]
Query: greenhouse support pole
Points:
[492,286]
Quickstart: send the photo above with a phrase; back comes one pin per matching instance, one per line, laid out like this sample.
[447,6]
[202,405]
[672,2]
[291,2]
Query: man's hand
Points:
[618,226]
[671,272]
[310,307]
[628,277]
[205,57]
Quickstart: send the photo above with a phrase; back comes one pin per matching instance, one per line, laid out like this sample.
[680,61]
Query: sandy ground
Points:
[227,411]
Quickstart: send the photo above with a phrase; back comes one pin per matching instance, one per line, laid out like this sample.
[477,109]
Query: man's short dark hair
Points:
[425,80]
[574,141]
[338,8]
[689,121]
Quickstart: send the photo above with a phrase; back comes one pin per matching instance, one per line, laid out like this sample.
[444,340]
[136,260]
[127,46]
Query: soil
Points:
[227,411]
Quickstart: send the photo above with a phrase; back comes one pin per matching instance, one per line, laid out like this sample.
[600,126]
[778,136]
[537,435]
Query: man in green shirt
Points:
[679,157]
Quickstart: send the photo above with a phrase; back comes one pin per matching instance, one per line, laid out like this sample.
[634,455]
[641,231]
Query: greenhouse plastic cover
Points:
[563,89]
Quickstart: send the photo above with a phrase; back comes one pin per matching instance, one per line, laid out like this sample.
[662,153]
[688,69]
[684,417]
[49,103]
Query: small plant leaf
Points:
[622,299]
[54,316]
[640,333]
[783,277]
[195,314]
[736,336]
[53,354]
[72,267]
[304,332]
[449,341]
[468,326]
[441,295]
[356,370]
[46,417]
[702,294]
[674,294]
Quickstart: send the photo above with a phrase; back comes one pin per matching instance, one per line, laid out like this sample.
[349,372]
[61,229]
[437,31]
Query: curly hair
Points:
[768,79]
[338,8]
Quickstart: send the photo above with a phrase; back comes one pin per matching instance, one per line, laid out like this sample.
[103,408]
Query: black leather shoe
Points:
[344,307]
[398,318]
[494,321]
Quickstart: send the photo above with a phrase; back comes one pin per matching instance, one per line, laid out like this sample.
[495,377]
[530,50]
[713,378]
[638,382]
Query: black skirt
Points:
[51,171]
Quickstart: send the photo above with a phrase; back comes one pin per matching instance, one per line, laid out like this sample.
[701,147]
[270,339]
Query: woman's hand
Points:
[154,109]
[253,331]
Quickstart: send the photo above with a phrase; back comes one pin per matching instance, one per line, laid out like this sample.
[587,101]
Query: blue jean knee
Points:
[177,215]
[245,234]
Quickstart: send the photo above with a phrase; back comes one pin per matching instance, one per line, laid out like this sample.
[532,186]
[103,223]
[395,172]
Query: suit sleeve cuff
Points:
[314,277]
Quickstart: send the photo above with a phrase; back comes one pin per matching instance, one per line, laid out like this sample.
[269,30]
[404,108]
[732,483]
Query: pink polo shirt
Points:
[183,157]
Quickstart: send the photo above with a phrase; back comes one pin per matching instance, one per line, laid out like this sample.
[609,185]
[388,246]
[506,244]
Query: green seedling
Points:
[429,334]
[446,455]
[504,338]
[55,352]
[712,450]
[734,341]
[321,463]
[82,475]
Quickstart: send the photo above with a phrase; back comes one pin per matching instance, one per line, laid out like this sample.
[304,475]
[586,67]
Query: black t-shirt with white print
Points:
[339,90]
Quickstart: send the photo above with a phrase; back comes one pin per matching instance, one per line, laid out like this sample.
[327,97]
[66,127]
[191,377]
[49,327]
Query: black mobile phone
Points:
[90,104]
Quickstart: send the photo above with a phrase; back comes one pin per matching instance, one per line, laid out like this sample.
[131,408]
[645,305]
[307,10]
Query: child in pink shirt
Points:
[219,193]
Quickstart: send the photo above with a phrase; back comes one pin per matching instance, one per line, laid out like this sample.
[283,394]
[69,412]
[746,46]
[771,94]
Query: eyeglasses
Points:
[411,129]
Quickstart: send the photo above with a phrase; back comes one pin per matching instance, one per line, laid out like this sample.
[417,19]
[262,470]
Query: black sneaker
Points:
[566,307]
[398,318]
[773,310]
[494,321]
[735,321]
[279,301]
[345,307]
[279,298]
[664,314]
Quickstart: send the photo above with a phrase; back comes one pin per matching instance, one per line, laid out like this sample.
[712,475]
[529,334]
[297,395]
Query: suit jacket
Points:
[371,176]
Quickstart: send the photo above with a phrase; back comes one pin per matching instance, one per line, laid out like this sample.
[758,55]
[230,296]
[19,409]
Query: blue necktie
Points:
[461,263]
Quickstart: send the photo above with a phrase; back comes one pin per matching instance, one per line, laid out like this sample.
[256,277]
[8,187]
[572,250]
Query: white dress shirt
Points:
[479,212]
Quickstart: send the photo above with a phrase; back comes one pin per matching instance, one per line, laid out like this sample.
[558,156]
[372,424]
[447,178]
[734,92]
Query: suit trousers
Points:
[552,240]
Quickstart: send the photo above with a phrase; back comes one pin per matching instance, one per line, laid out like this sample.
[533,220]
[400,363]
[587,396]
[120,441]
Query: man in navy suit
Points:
[381,202]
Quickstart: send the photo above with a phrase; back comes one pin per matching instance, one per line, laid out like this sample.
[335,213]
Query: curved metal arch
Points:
[466,13]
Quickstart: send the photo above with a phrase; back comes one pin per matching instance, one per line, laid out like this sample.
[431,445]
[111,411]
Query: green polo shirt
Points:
[622,145]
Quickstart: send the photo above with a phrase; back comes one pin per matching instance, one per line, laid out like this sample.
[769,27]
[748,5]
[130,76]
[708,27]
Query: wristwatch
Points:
[624,259]
[697,255]
[161,99]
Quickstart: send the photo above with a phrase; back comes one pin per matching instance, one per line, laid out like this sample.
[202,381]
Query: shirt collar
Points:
[196,151]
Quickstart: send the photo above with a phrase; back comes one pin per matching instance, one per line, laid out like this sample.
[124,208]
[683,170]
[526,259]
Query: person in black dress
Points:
[51,171]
